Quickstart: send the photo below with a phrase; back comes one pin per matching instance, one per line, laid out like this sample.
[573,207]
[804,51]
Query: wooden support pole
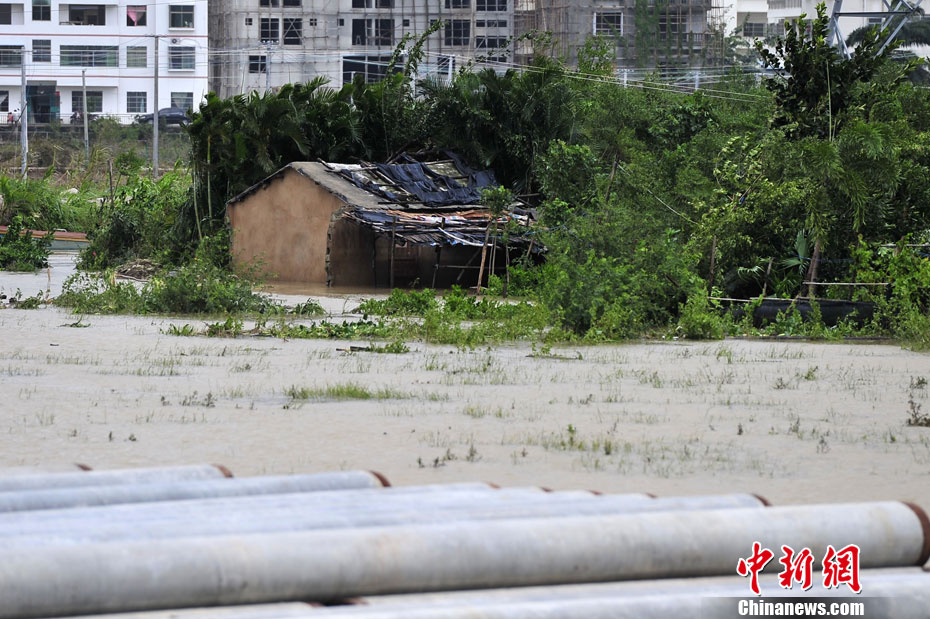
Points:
[393,237]
[436,266]
[442,224]
[507,267]
[374,259]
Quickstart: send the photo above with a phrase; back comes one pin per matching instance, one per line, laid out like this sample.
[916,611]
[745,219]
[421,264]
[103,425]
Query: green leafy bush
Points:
[138,224]
[20,251]
[401,303]
[195,288]
[700,320]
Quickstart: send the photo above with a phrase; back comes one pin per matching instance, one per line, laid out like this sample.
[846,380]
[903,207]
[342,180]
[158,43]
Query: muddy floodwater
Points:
[794,422]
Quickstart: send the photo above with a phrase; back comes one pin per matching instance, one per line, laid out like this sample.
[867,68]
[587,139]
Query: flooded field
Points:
[795,422]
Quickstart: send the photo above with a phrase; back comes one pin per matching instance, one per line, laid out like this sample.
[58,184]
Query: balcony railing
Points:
[778,5]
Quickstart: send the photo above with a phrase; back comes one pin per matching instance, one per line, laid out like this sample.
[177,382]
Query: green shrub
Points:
[699,320]
[401,303]
[19,251]
[195,288]
[138,224]
[201,288]
[36,202]
[88,293]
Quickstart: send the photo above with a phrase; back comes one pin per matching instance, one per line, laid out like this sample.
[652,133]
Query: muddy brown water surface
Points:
[795,422]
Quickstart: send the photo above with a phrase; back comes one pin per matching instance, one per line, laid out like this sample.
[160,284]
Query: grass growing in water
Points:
[343,391]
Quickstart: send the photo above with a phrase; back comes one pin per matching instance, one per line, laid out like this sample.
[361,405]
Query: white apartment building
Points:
[113,42]
[761,18]
[782,10]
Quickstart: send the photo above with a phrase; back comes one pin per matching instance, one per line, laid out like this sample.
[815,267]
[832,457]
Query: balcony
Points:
[83,15]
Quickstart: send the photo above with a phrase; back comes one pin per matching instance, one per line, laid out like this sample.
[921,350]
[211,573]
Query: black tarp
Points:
[424,185]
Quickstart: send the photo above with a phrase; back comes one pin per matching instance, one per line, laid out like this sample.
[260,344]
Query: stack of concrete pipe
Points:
[196,542]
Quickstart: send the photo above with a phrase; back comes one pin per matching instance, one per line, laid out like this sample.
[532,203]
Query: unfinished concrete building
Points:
[263,44]
[652,34]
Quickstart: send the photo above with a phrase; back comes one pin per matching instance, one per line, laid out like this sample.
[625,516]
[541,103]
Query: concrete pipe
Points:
[295,510]
[13,523]
[299,518]
[112,577]
[107,478]
[888,582]
[709,501]
[58,498]
[248,611]
[892,594]
[16,524]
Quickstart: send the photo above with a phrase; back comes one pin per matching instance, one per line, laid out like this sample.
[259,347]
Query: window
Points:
[135,15]
[493,44]
[137,56]
[293,30]
[258,64]
[11,55]
[136,102]
[670,26]
[490,5]
[490,42]
[4,100]
[6,17]
[272,3]
[41,50]
[371,68]
[180,16]
[181,58]
[406,23]
[89,56]
[609,24]
[871,21]
[183,100]
[87,15]
[269,30]
[458,32]
[248,21]
[445,65]
[458,4]
[490,23]
[94,101]
[373,32]
[291,2]
[41,10]
[367,4]
[311,21]
[751,29]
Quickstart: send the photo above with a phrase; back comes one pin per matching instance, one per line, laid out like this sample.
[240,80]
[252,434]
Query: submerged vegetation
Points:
[655,206]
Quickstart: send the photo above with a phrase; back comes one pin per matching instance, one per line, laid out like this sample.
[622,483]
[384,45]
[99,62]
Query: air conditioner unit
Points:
[175,41]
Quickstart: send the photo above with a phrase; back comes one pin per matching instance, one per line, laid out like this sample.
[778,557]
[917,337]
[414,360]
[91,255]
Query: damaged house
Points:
[396,224]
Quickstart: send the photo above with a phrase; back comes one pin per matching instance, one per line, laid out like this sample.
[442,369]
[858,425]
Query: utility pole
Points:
[155,118]
[84,95]
[23,116]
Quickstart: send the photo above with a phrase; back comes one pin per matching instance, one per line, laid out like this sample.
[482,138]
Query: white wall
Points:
[113,81]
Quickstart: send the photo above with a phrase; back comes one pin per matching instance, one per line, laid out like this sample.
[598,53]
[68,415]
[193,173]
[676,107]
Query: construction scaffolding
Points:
[648,34]
[280,41]
[263,45]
